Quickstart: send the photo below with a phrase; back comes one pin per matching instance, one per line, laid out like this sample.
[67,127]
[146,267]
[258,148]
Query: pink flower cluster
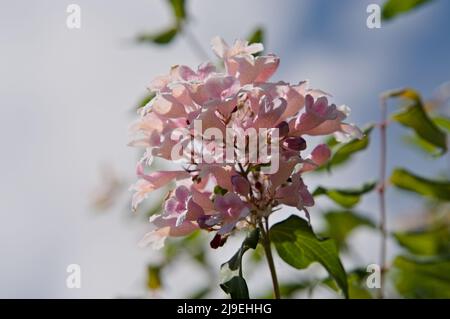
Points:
[223,197]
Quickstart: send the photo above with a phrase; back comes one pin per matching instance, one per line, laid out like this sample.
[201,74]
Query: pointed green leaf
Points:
[345,197]
[422,278]
[392,8]
[233,283]
[257,36]
[339,225]
[145,100]
[406,180]
[163,37]
[343,152]
[414,116]
[179,9]
[443,122]
[427,242]
[297,245]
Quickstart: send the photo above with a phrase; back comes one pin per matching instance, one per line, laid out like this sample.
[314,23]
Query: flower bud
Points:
[283,129]
[295,143]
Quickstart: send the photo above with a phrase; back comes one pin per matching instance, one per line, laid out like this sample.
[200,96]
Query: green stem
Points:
[268,251]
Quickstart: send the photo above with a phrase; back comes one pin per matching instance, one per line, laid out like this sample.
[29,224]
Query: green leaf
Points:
[236,287]
[406,180]
[257,36]
[443,122]
[392,8]
[154,277]
[426,242]
[415,117]
[422,278]
[163,37]
[233,282]
[420,144]
[145,100]
[179,9]
[357,287]
[339,225]
[345,197]
[219,190]
[297,245]
[344,152]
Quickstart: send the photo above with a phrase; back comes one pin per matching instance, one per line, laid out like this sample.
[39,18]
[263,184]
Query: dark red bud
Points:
[283,129]
[295,143]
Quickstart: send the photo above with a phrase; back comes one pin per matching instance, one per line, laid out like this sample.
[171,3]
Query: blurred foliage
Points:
[415,117]
[298,246]
[422,277]
[393,8]
[257,36]
[343,152]
[347,198]
[168,34]
[406,180]
[340,224]
[357,288]
[428,242]
[164,37]
[153,277]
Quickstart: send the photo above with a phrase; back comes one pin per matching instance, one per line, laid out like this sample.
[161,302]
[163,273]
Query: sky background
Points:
[65,107]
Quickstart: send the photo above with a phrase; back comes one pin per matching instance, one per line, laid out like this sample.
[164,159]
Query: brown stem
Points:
[382,193]
[268,251]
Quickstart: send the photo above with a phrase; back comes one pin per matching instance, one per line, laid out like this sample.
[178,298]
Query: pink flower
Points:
[179,218]
[230,210]
[228,183]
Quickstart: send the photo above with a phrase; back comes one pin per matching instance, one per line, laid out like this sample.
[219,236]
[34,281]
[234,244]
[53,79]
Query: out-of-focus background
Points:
[67,98]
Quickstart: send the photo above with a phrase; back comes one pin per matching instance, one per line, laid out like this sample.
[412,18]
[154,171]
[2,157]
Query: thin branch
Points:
[382,193]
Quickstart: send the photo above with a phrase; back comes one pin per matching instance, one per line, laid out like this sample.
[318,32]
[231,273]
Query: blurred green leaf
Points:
[288,289]
[422,278]
[392,8]
[357,287]
[427,242]
[232,280]
[257,36]
[163,37]
[339,225]
[219,190]
[154,277]
[414,116]
[420,144]
[145,100]
[345,197]
[443,122]
[179,9]
[201,293]
[344,152]
[406,180]
[298,246]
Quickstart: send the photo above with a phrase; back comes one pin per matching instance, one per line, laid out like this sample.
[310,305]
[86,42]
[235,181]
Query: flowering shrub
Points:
[227,185]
